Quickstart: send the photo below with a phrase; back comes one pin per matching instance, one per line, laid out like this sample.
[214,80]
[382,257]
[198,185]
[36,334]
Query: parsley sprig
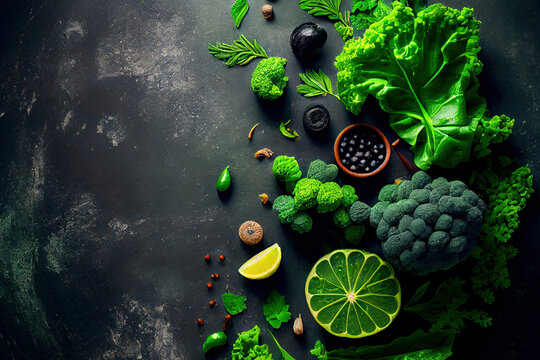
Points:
[276,311]
[240,52]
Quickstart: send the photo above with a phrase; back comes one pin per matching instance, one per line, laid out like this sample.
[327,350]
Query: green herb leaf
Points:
[287,132]
[285,355]
[330,8]
[418,294]
[315,84]
[275,310]
[241,52]
[234,304]
[238,11]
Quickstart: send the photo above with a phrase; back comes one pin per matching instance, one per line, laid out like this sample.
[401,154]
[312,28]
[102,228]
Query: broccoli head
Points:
[305,193]
[427,225]
[329,197]
[286,169]
[354,233]
[321,171]
[349,196]
[284,206]
[359,212]
[342,218]
[268,79]
[302,223]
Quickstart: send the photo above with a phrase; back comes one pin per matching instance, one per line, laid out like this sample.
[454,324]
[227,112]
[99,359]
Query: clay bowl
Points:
[369,133]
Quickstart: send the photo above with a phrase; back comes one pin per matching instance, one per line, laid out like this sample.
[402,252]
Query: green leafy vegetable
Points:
[434,345]
[288,132]
[238,11]
[275,310]
[330,8]
[423,70]
[234,304]
[506,191]
[246,346]
[444,308]
[491,131]
[315,84]
[285,355]
[366,12]
[241,52]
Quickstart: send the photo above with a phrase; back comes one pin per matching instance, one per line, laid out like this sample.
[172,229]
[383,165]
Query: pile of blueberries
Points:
[362,151]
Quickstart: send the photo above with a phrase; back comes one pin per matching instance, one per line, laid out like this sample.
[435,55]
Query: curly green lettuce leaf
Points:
[434,345]
[423,70]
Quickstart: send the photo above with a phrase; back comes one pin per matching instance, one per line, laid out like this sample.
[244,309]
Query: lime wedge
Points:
[352,293]
[263,264]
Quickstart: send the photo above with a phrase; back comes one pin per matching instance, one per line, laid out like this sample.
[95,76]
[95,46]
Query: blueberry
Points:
[373,163]
[375,150]
[367,169]
[344,161]
[361,147]
[352,142]
[359,154]
[350,149]
[367,154]
[345,139]
[362,141]
[369,143]
[354,159]
[355,136]
[380,146]
[380,157]
[343,144]
[347,155]
[362,162]
[353,168]
[341,150]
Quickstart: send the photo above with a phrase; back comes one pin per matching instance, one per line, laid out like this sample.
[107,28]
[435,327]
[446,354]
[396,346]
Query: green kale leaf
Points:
[234,304]
[275,310]
[423,70]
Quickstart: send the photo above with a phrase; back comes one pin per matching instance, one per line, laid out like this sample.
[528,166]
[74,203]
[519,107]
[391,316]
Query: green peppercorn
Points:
[214,340]
[224,181]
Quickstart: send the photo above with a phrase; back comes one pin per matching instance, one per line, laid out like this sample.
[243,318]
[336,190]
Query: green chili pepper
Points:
[214,340]
[287,132]
[224,181]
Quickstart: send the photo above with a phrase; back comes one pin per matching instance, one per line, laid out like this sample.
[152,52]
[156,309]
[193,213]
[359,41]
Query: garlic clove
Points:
[298,326]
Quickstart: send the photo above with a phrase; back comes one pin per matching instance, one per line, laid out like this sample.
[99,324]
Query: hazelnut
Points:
[250,232]
[267,11]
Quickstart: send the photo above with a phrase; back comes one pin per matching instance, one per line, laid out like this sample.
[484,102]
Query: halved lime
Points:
[352,293]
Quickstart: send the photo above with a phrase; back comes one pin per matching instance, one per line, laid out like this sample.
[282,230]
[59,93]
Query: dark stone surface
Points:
[114,125]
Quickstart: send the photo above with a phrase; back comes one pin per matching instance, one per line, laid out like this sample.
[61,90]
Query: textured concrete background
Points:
[114,125]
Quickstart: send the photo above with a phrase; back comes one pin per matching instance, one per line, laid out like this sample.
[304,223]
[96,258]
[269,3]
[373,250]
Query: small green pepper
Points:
[214,340]
[224,181]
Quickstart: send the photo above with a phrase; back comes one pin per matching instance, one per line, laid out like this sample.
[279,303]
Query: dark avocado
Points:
[307,39]
[316,118]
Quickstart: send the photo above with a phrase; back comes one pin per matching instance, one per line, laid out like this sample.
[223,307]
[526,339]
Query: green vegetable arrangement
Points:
[423,70]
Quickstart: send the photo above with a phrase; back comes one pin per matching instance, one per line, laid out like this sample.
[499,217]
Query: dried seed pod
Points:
[267,11]
[264,153]
[250,232]
[298,326]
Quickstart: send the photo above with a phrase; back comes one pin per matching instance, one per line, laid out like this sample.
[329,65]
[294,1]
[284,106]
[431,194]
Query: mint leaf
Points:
[234,304]
[275,310]
[238,11]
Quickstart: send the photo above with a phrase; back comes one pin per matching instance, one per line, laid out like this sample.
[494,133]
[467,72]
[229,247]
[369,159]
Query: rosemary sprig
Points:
[330,8]
[241,52]
[315,84]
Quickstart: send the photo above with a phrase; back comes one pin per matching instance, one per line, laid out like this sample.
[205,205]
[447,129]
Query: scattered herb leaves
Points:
[315,84]
[240,52]
[285,355]
[238,11]
[330,8]
[275,310]
[288,132]
[234,304]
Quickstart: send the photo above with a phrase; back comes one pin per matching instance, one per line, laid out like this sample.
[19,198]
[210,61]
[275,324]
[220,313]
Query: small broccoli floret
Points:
[438,240]
[321,171]
[444,223]
[458,227]
[405,223]
[420,179]
[376,214]
[349,196]
[457,244]
[441,184]
[470,197]
[408,206]
[305,193]
[435,195]
[354,233]
[382,230]
[418,248]
[459,207]
[268,79]
[284,206]
[406,259]
[392,231]
[421,196]
[359,212]
[387,192]
[474,216]
[427,212]
[286,169]
[407,238]
[392,214]
[393,247]
[427,232]
[342,218]
[418,226]
[404,190]
[302,223]
[329,197]
[457,188]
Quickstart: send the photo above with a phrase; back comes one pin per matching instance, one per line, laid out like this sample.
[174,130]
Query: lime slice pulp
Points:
[263,264]
[353,293]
